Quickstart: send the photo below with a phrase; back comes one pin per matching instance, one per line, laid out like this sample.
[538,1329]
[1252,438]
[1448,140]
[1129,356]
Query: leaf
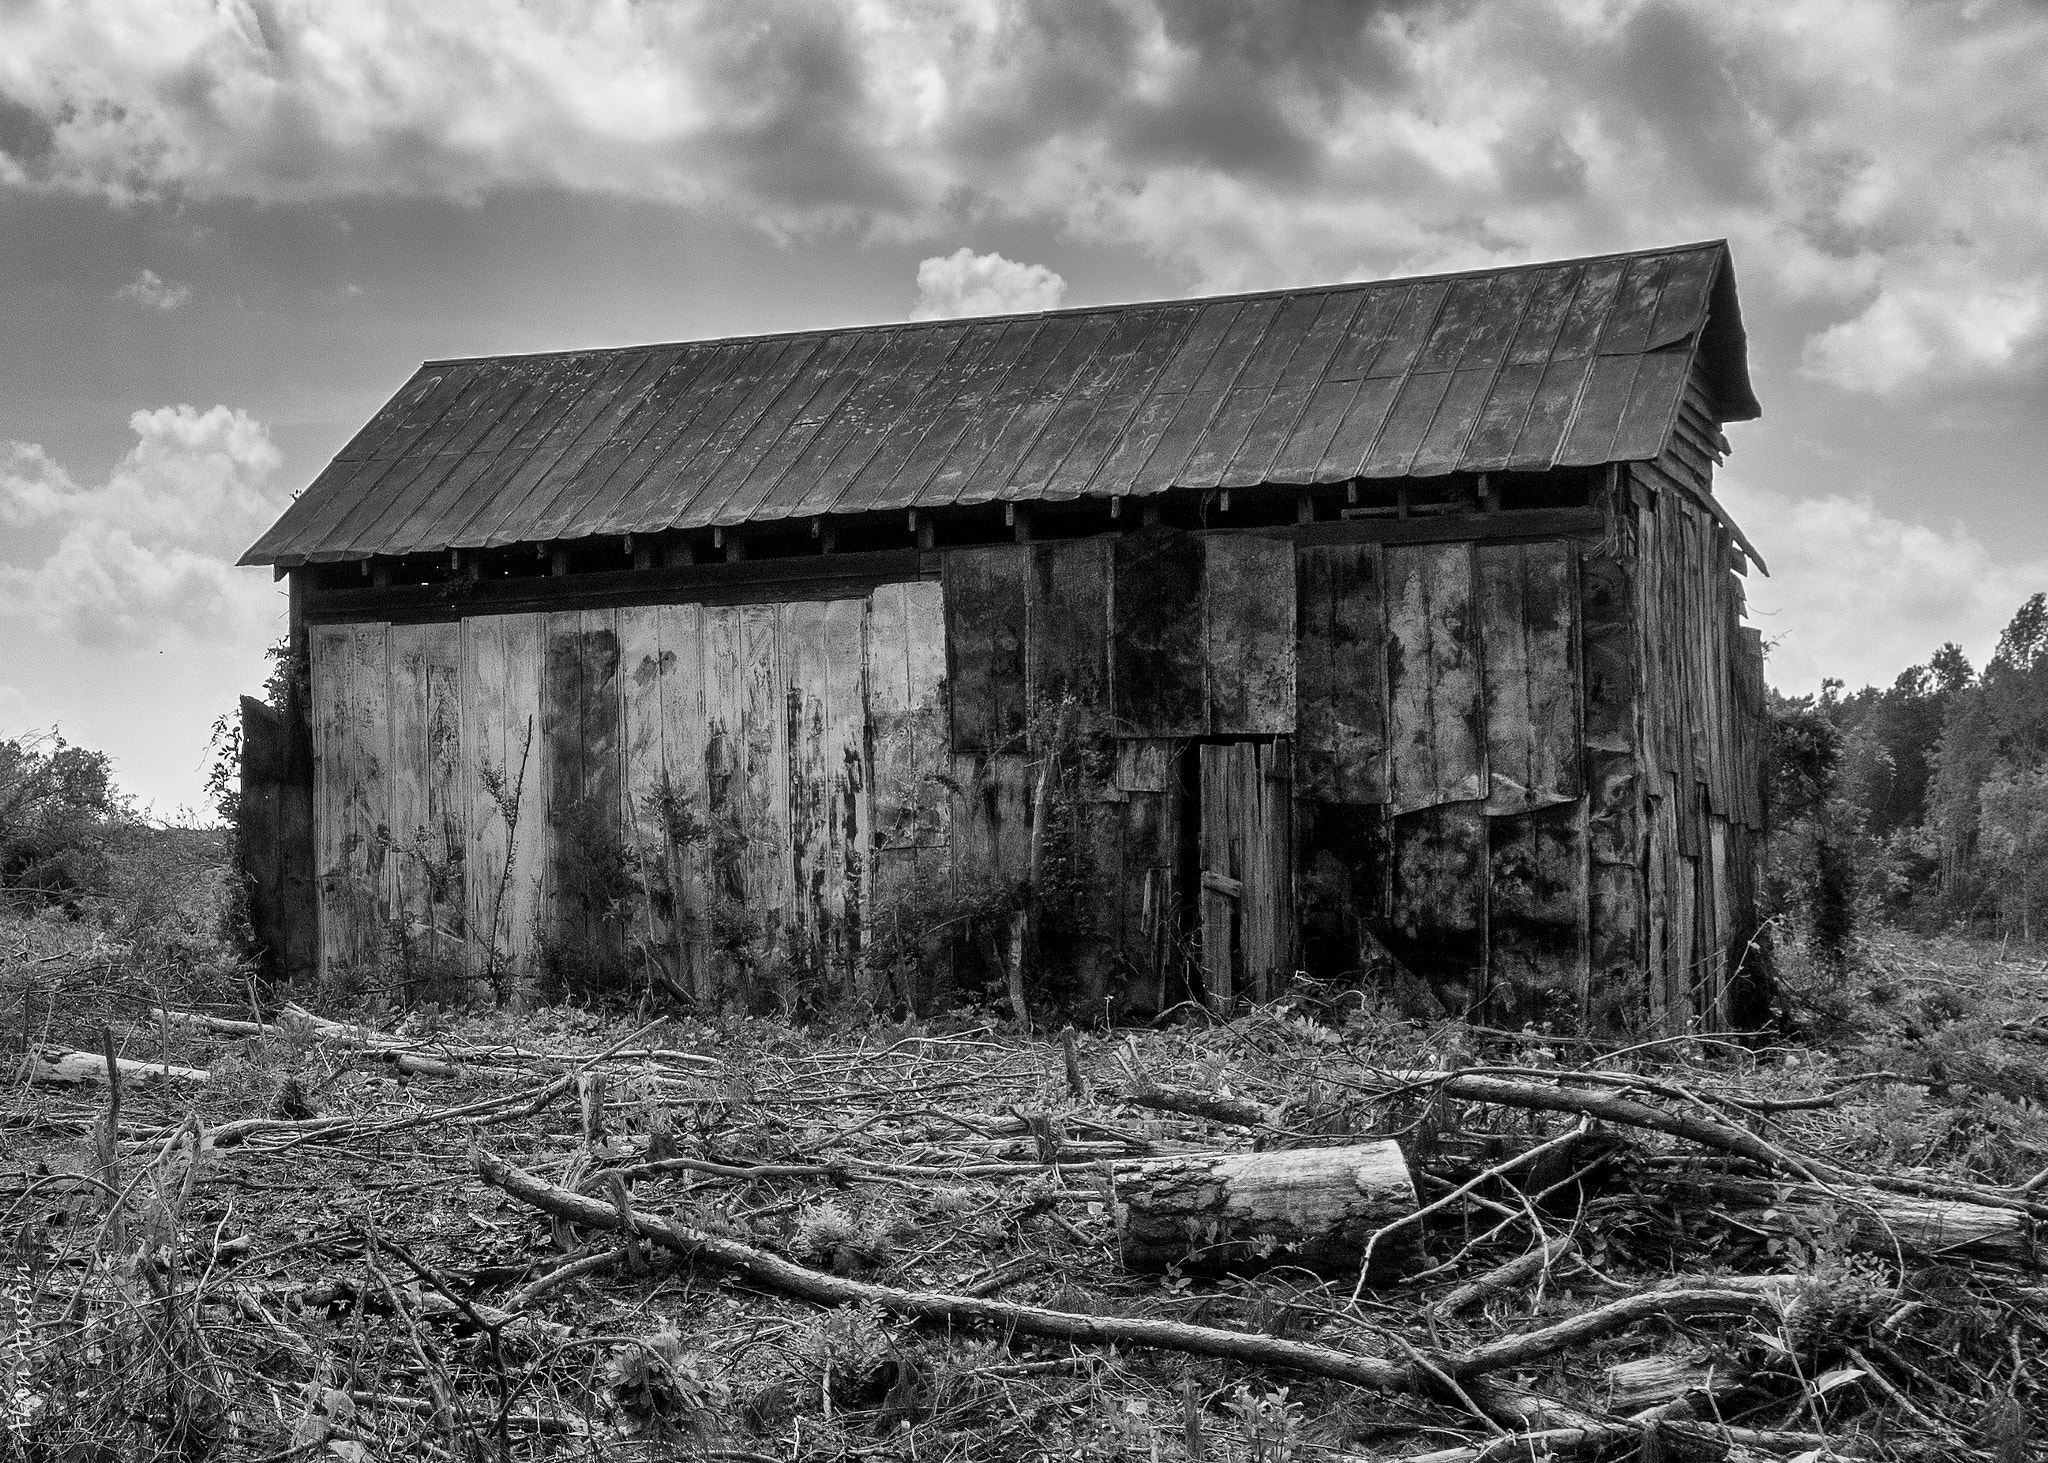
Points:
[1841,1376]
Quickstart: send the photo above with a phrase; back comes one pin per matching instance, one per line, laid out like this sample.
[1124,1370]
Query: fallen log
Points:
[1313,1207]
[62,1065]
[1872,1221]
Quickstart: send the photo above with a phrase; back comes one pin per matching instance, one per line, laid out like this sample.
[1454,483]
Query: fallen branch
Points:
[1704,1297]
[56,1064]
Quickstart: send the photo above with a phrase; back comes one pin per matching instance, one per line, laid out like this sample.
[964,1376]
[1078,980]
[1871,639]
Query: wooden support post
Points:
[1304,508]
[1489,500]
[645,554]
[735,549]
[558,562]
[1021,518]
[1401,501]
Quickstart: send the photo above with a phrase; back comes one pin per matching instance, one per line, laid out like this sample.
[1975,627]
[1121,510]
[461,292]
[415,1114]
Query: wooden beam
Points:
[755,581]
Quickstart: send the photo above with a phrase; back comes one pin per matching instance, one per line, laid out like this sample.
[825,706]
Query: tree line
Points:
[1924,803]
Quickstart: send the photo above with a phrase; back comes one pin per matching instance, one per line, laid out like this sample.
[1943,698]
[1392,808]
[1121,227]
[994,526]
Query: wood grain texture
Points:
[644,666]
[986,639]
[1536,917]
[910,803]
[1436,738]
[1159,645]
[824,657]
[1438,922]
[687,837]
[1249,610]
[1529,634]
[1068,619]
[1341,674]
[328,648]
[1342,875]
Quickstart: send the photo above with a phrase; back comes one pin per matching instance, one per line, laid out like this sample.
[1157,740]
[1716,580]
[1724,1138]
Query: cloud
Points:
[151,290]
[1858,594]
[966,283]
[147,554]
[1880,164]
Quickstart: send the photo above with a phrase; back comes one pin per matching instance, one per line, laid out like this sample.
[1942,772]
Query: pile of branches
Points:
[745,1244]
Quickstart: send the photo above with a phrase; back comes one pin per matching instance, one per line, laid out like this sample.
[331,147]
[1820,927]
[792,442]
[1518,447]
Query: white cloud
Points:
[1879,163]
[966,283]
[1857,594]
[152,291]
[147,554]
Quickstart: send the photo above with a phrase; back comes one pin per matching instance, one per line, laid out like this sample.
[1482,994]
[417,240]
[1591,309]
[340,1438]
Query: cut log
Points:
[60,1064]
[1652,1381]
[1872,1221]
[1313,1207]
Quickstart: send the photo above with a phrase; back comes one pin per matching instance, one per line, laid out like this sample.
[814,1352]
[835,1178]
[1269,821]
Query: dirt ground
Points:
[1820,1244]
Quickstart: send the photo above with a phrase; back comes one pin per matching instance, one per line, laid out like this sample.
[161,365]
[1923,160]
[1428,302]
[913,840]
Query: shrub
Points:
[58,808]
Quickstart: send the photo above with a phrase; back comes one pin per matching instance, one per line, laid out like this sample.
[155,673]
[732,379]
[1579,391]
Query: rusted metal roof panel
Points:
[1563,364]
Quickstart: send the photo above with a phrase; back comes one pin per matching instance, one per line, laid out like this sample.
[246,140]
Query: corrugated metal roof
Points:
[1566,364]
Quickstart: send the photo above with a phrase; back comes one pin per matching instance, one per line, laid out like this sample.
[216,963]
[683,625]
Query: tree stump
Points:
[1313,1207]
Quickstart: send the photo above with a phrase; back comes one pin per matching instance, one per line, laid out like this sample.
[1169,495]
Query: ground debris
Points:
[554,1235]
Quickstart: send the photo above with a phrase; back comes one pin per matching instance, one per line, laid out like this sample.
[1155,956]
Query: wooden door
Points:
[1247,876]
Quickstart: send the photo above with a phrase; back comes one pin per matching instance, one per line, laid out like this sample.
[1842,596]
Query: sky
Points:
[229,229]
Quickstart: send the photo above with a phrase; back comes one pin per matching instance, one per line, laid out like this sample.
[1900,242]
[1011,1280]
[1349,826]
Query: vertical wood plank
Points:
[687,836]
[329,649]
[1158,638]
[1341,694]
[764,740]
[1145,778]
[986,642]
[447,804]
[1223,819]
[1436,738]
[734,929]
[524,765]
[823,648]
[407,856]
[1248,607]
[369,794]
[1614,791]
[1068,624]
[1438,914]
[1529,635]
[910,804]
[644,667]
[1536,915]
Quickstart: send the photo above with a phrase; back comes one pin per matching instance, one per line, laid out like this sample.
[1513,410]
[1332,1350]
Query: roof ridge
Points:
[1071,311]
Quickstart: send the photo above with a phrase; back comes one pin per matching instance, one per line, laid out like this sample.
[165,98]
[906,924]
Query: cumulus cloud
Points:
[1859,594]
[152,291]
[967,283]
[1880,163]
[147,553]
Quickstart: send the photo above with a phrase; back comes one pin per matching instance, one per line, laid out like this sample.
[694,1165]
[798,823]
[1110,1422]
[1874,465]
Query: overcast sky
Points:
[230,228]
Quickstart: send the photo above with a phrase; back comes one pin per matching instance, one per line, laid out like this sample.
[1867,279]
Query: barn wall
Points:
[1701,735]
[1497,777]
[685,792]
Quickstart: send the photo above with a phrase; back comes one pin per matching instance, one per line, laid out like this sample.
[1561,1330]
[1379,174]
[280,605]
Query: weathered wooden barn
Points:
[1389,632]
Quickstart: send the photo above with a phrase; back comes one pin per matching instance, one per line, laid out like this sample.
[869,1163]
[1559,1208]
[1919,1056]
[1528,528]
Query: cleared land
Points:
[486,1234]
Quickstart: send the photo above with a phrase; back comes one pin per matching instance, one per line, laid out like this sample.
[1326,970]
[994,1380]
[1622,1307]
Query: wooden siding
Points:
[1513,780]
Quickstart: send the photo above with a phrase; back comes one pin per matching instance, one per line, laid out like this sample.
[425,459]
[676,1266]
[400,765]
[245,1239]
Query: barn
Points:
[1388,633]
